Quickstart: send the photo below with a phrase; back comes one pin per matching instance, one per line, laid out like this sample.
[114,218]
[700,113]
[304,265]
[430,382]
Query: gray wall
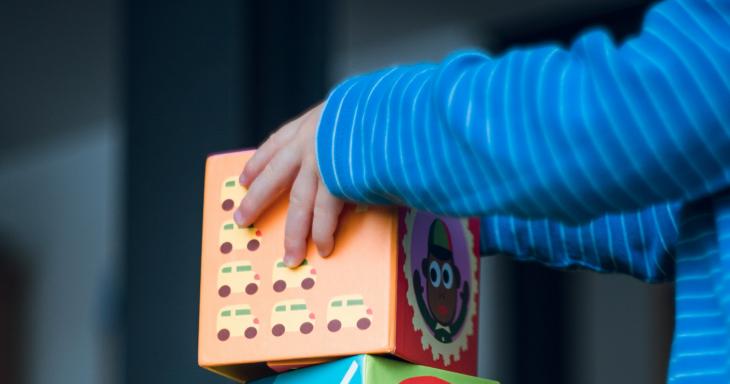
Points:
[59,181]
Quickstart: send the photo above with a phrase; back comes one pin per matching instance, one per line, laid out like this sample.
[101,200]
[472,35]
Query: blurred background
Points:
[107,111]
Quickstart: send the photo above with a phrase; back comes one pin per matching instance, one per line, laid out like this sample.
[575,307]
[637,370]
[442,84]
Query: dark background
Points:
[107,111]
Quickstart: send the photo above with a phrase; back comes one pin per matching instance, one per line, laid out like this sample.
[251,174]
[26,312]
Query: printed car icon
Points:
[236,277]
[303,276]
[291,316]
[234,237]
[348,311]
[232,192]
[236,321]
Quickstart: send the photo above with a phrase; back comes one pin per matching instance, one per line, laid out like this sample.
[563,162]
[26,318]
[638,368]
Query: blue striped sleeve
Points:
[641,244]
[545,132]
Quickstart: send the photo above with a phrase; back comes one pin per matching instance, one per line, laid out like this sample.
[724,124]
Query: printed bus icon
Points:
[231,193]
[303,276]
[237,277]
[291,316]
[348,311]
[237,321]
[234,237]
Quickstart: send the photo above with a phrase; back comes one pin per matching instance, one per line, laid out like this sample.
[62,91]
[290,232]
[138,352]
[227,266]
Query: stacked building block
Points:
[400,282]
[368,369]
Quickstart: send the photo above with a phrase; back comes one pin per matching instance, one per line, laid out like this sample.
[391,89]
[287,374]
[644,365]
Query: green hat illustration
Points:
[439,240]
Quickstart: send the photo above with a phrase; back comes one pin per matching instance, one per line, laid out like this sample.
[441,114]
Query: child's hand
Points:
[287,159]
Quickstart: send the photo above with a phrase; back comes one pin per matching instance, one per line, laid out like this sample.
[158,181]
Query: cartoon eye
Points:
[434,273]
[447,276]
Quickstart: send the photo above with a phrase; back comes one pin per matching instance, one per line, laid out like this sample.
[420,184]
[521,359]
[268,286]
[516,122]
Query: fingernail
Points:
[290,261]
[322,252]
[243,179]
[238,217]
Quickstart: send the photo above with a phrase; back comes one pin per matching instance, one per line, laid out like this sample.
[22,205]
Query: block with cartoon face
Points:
[399,281]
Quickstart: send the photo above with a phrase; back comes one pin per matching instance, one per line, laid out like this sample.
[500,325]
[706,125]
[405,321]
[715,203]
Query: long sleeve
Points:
[545,132]
[641,244]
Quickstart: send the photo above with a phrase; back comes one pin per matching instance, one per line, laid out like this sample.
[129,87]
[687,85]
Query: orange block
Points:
[400,282]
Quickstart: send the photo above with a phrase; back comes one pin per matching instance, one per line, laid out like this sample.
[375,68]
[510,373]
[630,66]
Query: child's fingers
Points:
[299,216]
[267,151]
[275,178]
[326,214]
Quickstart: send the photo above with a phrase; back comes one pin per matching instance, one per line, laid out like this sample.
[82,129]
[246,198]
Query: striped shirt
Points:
[604,156]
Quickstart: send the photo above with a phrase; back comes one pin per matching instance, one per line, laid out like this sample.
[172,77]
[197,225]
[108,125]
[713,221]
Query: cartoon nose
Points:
[369,311]
[311,315]
[255,320]
[313,271]
[256,277]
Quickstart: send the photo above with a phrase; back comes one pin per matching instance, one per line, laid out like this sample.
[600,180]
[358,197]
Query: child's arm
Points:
[640,244]
[543,132]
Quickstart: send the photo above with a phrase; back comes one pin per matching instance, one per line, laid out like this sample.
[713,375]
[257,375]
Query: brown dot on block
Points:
[277,330]
[226,247]
[279,285]
[308,283]
[251,288]
[253,245]
[306,328]
[250,332]
[334,325]
[227,205]
[224,291]
[223,335]
[363,323]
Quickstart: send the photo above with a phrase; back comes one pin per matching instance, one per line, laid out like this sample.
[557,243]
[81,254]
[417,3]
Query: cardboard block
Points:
[400,282]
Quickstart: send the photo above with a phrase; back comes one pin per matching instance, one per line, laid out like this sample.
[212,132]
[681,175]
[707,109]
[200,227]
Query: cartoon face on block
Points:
[234,237]
[237,277]
[442,275]
[347,312]
[237,321]
[291,316]
[284,277]
[232,192]
[441,261]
